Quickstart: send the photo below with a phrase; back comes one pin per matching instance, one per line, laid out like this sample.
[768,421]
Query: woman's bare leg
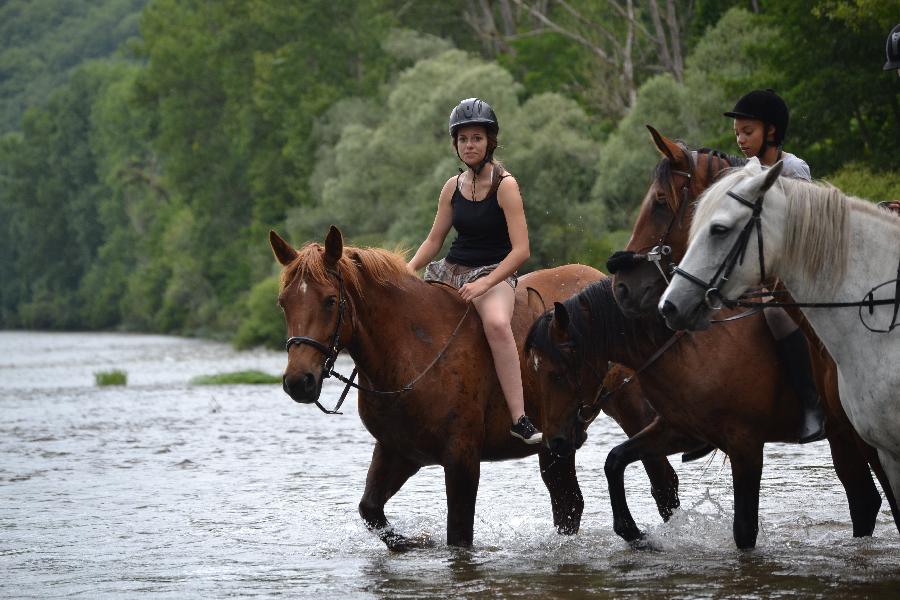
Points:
[496,308]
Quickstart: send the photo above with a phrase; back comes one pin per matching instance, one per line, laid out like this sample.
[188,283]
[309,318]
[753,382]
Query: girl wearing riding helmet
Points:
[485,207]
[760,123]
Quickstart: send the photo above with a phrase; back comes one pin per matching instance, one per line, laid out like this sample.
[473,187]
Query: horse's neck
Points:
[389,317]
[873,258]
[629,341]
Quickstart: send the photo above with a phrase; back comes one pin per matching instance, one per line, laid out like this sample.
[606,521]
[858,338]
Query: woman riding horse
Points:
[491,243]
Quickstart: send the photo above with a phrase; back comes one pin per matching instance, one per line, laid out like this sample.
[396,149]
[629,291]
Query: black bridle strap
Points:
[735,256]
[602,396]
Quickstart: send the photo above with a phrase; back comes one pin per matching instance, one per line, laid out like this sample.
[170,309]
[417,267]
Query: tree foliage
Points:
[147,147]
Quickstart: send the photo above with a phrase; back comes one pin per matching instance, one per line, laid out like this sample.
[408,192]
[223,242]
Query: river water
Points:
[166,489]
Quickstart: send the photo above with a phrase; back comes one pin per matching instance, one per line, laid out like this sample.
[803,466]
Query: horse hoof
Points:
[629,533]
[399,543]
[644,544]
[570,529]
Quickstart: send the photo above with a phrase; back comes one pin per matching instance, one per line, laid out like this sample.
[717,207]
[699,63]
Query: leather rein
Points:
[331,351]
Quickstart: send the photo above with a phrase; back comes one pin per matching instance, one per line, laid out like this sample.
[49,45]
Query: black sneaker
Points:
[525,431]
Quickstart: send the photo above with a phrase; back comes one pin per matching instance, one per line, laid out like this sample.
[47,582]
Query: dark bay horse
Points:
[663,224]
[706,387]
[394,326]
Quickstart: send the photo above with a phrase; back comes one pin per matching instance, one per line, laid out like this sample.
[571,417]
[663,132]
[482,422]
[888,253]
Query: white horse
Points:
[825,247]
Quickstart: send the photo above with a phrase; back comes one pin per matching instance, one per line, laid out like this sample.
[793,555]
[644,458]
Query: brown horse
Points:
[663,223]
[428,390]
[736,402]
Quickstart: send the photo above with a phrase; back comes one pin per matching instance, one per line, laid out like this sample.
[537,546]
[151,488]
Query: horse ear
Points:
[536,301]
[560,317]
[283,251]
[772,175]
[334,246]
[667,147]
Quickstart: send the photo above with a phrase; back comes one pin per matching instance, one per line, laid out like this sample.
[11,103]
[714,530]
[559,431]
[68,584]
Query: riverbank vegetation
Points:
[237,377]
[148,146]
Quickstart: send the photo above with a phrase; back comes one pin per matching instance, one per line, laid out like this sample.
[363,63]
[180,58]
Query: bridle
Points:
[713,298]
[625,259]
[331,351]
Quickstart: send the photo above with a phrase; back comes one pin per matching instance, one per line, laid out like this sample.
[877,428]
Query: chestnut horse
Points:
[428,389]
[663,224]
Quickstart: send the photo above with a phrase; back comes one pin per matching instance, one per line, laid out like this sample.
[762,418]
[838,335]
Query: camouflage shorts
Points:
[458,275]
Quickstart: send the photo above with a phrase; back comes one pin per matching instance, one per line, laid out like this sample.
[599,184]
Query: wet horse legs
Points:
[387,474]
[746,472]
[656,440]
[461,476]
[565,495]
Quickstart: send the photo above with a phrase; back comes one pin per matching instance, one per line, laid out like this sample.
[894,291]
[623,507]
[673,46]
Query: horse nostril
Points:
[667,309]
[309,383]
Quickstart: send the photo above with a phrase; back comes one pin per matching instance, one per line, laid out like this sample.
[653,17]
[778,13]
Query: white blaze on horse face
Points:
[303,287]
[535,362]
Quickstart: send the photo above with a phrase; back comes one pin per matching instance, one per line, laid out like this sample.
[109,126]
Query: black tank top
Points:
[482,236]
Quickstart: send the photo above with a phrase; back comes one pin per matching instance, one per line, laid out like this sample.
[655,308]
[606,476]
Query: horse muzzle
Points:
[303,388]
[678,319]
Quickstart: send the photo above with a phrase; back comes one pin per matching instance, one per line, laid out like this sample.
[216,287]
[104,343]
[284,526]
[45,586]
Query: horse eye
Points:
[718,229]
[330,301]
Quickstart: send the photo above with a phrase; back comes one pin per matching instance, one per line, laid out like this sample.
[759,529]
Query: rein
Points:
[596,405]
[714,300]
[331,352]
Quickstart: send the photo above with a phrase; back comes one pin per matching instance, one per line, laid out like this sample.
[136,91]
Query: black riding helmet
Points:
[473,111]
[768,107]
[892,49]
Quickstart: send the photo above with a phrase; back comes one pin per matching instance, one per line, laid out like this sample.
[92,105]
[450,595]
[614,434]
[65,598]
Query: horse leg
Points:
[891,466]
[852,468]
[875,463]
[629,409]
[461,476]
[746,472]
[656,440]
[388,471]
[565,495]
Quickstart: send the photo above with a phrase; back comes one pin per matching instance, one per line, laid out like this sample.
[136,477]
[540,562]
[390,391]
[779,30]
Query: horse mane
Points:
[596,323]
[384,267]
[816,226]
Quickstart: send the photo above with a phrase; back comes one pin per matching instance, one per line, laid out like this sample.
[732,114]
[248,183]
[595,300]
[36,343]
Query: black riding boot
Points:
[794,355]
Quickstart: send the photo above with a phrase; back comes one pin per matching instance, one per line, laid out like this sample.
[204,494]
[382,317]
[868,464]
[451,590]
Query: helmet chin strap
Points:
[766,143]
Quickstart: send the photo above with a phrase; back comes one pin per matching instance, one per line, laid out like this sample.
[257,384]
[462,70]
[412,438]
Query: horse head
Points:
[317,311]
[725,256]
[551,349]
[659,238]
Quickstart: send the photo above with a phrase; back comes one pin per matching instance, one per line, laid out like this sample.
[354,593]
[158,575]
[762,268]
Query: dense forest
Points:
[149,145]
